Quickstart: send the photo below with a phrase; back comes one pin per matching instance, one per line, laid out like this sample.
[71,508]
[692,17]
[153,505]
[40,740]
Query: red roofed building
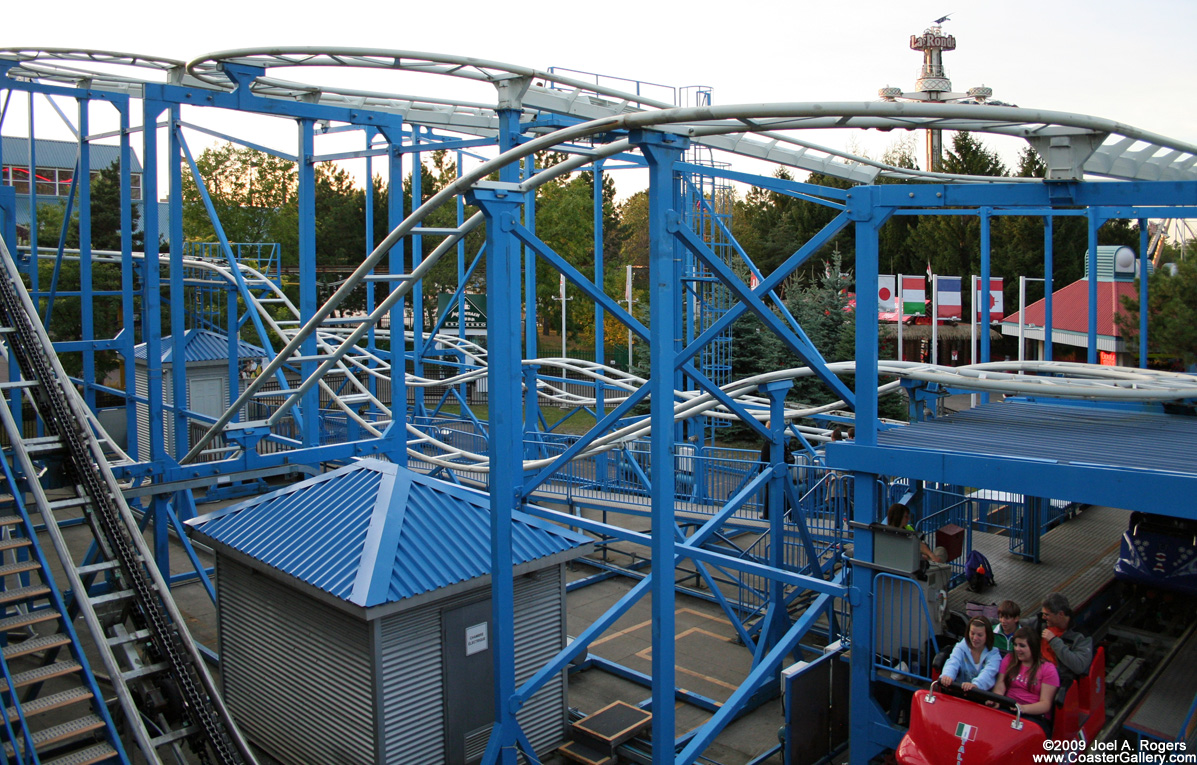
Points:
[1070,315]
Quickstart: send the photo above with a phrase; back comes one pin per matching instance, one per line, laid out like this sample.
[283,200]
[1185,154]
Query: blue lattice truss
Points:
[699,281]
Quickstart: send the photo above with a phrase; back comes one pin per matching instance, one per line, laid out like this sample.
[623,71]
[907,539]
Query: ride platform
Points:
[1076,558]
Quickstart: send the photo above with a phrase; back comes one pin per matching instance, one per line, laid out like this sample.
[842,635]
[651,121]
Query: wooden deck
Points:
[1076,558]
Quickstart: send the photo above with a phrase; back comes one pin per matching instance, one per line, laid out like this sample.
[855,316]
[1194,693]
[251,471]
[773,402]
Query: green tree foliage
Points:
[247,187]
[565,222]
[951,244]
[1171,315]
[106,212]
[67,315]
[771,225]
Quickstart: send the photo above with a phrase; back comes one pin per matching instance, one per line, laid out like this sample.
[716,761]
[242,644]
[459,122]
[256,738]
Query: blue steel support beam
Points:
[417,291]
[1091,340]
[580,280]
[780,274]
[985,290]
[34,285]
[762,673]
[151,325]
[372,382]
[500,203]
[865,716]
[509,133]
[397,432]
[799,344]
[702,382]
[128,333]
[1048,282]
[600,333]
[310,406]
[662,150]
[777,618]
[178,327]
[86,306]
[1144,244]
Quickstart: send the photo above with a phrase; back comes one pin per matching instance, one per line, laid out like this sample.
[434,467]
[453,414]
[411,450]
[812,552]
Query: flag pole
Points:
[972,345]
[934,318]
[1022,317]
[900,297]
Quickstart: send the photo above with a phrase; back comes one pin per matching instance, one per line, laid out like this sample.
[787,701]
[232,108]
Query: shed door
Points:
[207,396]
[469,681]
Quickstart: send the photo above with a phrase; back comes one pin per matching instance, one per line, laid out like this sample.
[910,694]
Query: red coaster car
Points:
[948,726]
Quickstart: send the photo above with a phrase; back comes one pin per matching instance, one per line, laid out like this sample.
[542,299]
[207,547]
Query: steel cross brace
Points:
[799,345]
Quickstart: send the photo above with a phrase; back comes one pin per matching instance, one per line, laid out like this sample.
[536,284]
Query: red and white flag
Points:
[914,296]
[886,294]
[995,299]
[947,297]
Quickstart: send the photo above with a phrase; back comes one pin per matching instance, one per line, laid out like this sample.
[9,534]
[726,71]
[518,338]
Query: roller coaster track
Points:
[163,690]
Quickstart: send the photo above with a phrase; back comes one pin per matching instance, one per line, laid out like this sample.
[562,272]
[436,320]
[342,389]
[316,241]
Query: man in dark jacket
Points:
[1071,651]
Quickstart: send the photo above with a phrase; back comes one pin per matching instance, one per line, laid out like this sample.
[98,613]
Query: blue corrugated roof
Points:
[374,533]
[202,345]
[61,154]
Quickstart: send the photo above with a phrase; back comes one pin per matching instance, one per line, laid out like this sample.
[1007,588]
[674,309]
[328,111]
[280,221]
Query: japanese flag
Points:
[887,301]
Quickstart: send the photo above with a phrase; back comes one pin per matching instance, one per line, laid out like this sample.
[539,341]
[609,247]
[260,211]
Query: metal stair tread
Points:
[48,703]
[62,732]
[24,620]
[23,593]
[18,567]
[14,542]
[97,753]
[10,520]
[38,674]
[33,645]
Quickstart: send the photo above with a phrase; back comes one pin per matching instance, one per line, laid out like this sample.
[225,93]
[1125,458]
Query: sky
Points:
[1129,62]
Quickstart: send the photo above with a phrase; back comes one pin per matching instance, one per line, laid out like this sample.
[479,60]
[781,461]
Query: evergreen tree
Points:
[106,212]
[1171,315]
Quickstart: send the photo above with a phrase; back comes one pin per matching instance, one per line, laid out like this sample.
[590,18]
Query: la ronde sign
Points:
[930,41]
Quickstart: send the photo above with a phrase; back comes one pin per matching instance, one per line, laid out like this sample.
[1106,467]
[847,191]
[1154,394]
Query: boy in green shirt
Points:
[1003,631]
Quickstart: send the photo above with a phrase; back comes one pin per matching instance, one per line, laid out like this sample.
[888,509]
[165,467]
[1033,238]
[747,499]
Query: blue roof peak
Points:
[373,533]
[201,345]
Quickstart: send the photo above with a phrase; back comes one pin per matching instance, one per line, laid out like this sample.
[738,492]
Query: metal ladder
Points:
[164,694]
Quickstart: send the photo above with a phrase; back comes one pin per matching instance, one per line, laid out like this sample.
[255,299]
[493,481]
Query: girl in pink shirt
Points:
[1025,677]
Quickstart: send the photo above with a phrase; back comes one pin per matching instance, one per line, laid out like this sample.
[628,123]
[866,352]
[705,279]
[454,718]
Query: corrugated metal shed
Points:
[61,154]
[375,533]
[202,345]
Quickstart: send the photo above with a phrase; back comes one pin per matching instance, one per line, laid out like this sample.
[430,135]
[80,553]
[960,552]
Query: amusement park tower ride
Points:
[933,84]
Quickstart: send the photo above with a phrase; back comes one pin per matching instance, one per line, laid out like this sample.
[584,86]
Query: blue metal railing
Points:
[903,632]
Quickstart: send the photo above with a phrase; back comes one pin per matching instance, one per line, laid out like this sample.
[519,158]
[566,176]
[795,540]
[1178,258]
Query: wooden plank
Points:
[1076,558]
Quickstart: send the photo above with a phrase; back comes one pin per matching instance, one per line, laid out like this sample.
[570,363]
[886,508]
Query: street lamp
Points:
[563,300]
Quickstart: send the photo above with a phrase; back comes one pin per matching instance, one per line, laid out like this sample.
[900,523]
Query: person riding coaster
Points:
[950,725]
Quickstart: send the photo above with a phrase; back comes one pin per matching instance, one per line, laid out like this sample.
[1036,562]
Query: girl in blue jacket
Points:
[974,661]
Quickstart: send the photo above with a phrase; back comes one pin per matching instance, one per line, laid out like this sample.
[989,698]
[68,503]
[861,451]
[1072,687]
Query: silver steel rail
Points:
[145,612]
